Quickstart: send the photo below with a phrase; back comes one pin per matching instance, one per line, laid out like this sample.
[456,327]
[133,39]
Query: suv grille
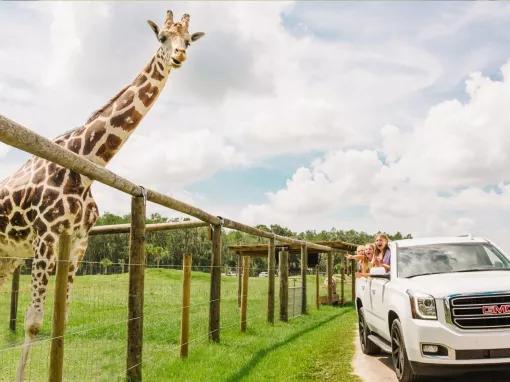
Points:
[481,311]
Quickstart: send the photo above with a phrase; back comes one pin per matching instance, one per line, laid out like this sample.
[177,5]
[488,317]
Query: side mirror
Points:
[379,273]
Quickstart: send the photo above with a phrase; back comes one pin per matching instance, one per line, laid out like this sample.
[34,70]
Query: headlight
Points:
[423,305]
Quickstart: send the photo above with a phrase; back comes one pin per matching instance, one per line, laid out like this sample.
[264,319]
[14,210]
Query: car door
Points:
[378,303]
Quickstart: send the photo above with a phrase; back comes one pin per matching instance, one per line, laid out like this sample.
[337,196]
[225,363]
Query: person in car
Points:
[359,256]
[382,255]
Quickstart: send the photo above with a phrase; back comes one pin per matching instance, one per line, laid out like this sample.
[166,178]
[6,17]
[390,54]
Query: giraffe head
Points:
[174,38]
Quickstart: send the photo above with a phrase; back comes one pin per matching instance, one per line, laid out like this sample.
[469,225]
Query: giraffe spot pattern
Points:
[127,120]
[74,145]
[125,99]
[73,184]
[157,75]
[140,80]
[18,220]
[148,94]
[94,133]
[109,148]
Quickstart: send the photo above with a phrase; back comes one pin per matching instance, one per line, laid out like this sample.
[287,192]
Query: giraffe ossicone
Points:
[42,200]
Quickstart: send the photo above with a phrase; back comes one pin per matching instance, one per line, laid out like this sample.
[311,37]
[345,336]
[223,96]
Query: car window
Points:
[444,258]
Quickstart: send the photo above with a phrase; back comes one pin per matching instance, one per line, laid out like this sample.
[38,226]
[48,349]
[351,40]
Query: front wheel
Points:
[367,346]
[401,363]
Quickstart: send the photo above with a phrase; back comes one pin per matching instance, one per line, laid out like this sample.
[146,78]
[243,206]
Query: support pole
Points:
[14,299]
[304,268]
[186,286]
[317,286]
[244,292]
[329,271]
[239,279]
[353,280]
[284,285]
[214,304]
[271,261]
[136,290]
[59,310]
[343,265]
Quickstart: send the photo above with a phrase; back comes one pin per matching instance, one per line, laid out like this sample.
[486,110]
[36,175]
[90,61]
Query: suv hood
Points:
[445,284]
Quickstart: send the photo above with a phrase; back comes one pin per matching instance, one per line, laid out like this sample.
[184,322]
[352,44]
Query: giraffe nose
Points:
[179,51]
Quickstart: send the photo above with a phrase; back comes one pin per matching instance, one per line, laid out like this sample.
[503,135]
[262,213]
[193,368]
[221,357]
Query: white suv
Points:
[443,308]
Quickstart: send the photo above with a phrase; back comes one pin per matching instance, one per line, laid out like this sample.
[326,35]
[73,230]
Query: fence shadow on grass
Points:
[258,356]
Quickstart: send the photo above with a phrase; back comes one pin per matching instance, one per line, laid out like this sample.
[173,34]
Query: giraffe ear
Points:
[196,36]
[154,27]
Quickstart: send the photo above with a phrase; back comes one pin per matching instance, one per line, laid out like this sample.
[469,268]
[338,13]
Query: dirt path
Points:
[379,368]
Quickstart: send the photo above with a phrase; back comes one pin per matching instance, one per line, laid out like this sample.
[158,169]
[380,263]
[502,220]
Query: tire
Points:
[401,363]
[367,346]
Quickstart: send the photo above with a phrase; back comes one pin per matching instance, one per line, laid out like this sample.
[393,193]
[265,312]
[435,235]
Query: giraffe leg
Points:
[77,252]
[42,265]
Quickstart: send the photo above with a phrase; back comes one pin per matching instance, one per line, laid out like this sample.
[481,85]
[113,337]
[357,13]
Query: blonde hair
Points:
[380,252]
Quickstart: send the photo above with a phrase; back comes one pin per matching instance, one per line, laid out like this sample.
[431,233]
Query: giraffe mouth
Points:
[176,63]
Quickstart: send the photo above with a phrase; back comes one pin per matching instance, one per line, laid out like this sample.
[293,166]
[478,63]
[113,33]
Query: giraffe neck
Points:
[108,128]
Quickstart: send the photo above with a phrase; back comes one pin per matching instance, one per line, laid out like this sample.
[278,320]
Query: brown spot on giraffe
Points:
[18,220]
[94,133]
[148,94]
[57,177]
[74,145]
[54,212]
[39,176]
[4,221]
[157,75]
[140,80]
[73,184]
[18,234]
[124,100]
[39,226]
[17,196]
[109,148]
[31,215]
[127,120]
[49,197]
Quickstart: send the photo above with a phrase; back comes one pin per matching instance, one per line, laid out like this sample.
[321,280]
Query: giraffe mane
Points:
[110,102]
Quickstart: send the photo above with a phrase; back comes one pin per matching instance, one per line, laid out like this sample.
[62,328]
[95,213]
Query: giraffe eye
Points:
[187,43]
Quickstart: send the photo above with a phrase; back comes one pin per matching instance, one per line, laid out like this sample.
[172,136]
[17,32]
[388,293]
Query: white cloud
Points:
[435,179]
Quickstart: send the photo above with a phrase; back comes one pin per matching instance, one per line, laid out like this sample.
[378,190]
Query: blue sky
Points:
[365,115]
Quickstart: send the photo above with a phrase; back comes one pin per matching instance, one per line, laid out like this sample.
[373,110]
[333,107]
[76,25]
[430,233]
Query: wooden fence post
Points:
[284,285]
[215,294]
[343,264]
[317,286]
[136,290]
[329,271]
[239,279]
[271,261]
[304,269]
[14,299]
[244,291]
[59,310]
[353,280]
[186,286]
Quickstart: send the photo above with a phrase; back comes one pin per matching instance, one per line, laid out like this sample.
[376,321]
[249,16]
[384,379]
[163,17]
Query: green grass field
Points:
[318,346]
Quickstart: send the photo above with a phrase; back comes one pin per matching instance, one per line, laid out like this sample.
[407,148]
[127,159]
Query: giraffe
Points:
[42,200]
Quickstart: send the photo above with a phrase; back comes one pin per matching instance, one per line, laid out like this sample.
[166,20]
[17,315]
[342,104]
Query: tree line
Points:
[110,253]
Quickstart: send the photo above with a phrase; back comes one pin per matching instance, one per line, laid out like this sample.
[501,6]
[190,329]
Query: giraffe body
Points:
[42,200]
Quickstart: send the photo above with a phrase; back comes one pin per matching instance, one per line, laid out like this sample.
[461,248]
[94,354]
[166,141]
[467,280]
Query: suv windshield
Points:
[447,258]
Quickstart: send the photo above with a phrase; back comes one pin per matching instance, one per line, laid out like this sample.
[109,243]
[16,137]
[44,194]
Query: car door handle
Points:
[374,290]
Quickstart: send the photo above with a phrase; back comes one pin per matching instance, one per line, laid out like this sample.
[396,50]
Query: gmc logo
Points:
[496,309]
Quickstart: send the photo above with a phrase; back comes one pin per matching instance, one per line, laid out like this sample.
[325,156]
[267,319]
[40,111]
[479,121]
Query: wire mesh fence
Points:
[96,332]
